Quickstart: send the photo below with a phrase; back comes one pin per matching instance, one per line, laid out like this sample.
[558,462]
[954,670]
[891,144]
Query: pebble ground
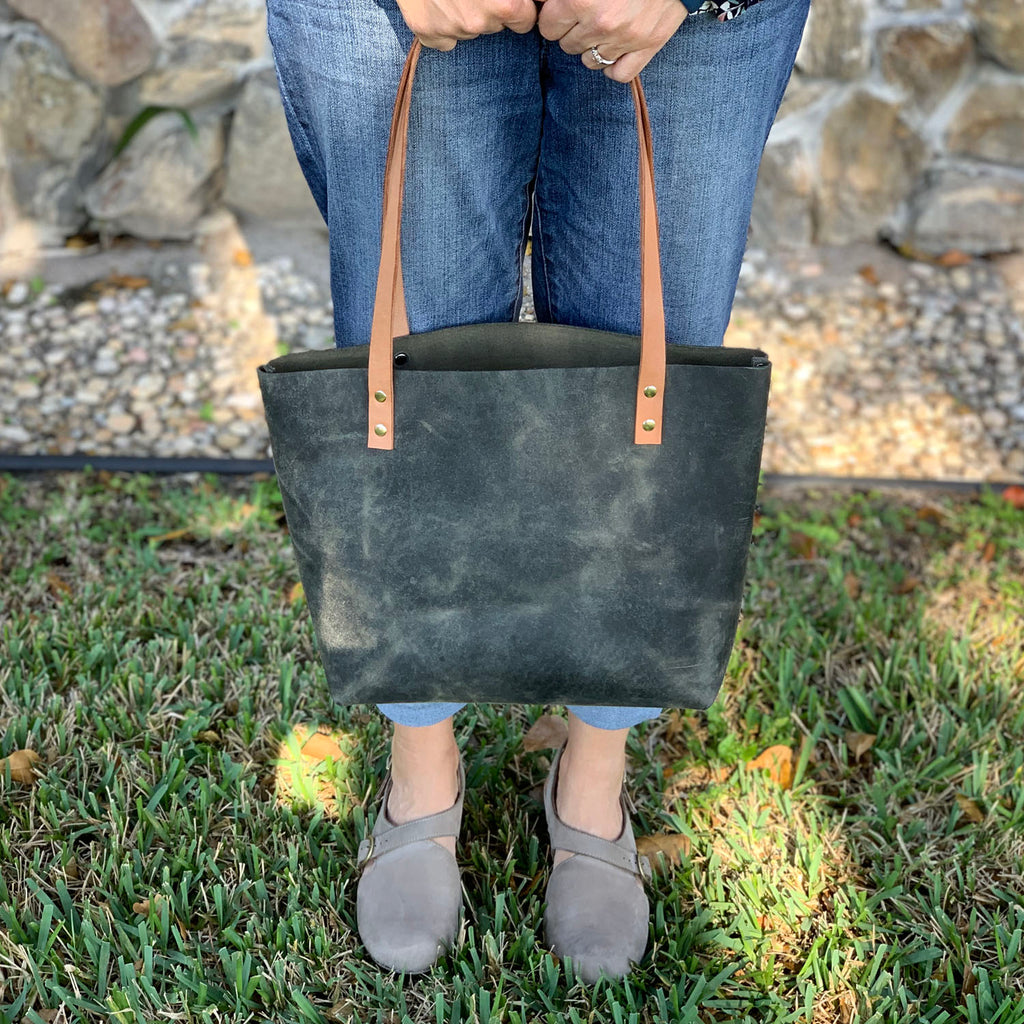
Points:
[890,367]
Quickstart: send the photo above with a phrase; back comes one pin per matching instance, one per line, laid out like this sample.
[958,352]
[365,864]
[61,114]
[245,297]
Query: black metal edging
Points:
[131,464]
[883,483]
[241,467]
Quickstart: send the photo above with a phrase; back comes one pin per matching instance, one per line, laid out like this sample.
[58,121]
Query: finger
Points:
[525,17]
[594,65]
[628,66]
[555,19]
[578,40]
[445,43]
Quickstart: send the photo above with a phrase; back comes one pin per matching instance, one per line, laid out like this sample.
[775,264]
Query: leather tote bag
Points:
[519,512]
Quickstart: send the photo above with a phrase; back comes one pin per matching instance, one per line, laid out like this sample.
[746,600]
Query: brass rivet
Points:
[380,396]
[650,391]
[380,430]
[648,424]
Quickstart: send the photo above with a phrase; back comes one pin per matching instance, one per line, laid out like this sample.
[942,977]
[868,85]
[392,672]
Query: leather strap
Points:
[386,837]
[619,853]
[389,310]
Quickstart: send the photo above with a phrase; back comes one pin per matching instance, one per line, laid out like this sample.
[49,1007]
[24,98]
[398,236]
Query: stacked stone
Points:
[73,77]
[903,119]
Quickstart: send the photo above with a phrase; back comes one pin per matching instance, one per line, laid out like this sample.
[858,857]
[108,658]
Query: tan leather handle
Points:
[389,316]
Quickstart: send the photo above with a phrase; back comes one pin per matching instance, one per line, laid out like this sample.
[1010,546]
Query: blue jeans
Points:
[509,132]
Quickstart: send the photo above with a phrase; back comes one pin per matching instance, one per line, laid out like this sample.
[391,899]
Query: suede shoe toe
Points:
[408,905]
[597,913]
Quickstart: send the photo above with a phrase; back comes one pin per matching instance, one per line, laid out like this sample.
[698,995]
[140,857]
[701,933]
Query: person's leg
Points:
[474,134]
[712,92]
[474,130]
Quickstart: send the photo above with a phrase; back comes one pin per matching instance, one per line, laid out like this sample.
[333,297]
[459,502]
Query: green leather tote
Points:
[519,512]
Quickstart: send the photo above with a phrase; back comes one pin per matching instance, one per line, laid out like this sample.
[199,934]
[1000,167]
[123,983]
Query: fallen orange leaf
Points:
[132,281]
[868,273]
[803,546]
[242,258]
[953,258]
[319,747]
[1015,496]
[22,765]
[673,845]
[852,584]
[778,762]
[296,593]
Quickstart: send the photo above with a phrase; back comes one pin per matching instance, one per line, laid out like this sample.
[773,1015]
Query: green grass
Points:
[177,858]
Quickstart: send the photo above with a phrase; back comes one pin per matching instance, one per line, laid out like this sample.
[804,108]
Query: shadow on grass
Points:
[187,844]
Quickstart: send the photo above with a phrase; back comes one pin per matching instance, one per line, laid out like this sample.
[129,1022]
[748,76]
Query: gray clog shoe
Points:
[597,911]
[407,907]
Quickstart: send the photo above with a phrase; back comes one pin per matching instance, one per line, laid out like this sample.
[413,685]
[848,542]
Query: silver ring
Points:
[599,58]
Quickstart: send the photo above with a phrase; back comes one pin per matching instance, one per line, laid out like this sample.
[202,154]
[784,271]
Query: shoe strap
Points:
[386,837]
[619,853]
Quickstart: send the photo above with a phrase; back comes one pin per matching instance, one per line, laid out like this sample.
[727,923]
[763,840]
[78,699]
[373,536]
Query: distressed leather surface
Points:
[516,545]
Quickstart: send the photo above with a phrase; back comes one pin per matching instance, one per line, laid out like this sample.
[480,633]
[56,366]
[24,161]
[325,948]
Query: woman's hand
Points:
[440,24]
[630,32]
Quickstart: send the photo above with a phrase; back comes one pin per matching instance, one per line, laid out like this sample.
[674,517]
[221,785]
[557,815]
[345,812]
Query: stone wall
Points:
[903,119]
[73,75]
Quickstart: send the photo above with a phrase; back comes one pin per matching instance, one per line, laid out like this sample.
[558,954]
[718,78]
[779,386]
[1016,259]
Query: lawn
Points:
[843,829]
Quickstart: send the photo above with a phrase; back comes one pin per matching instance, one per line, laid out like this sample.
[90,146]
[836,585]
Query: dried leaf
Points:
[869,274]
[142,906]
[242,258]
[548,732]
[847,1007]
[22,764]
[58,587]
[970,983]
[679,724]
[988,552]
[778,762]
[320,746]
[859,743]
[970,809]
[803,546]
[1015,496]
[673,845]
[132,281]
[182,534]
[208,736]
[906,585]
[953,258]
[851,581]
[296,593]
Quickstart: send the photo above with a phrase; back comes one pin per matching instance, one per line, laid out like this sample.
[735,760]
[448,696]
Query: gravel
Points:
[916,375]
